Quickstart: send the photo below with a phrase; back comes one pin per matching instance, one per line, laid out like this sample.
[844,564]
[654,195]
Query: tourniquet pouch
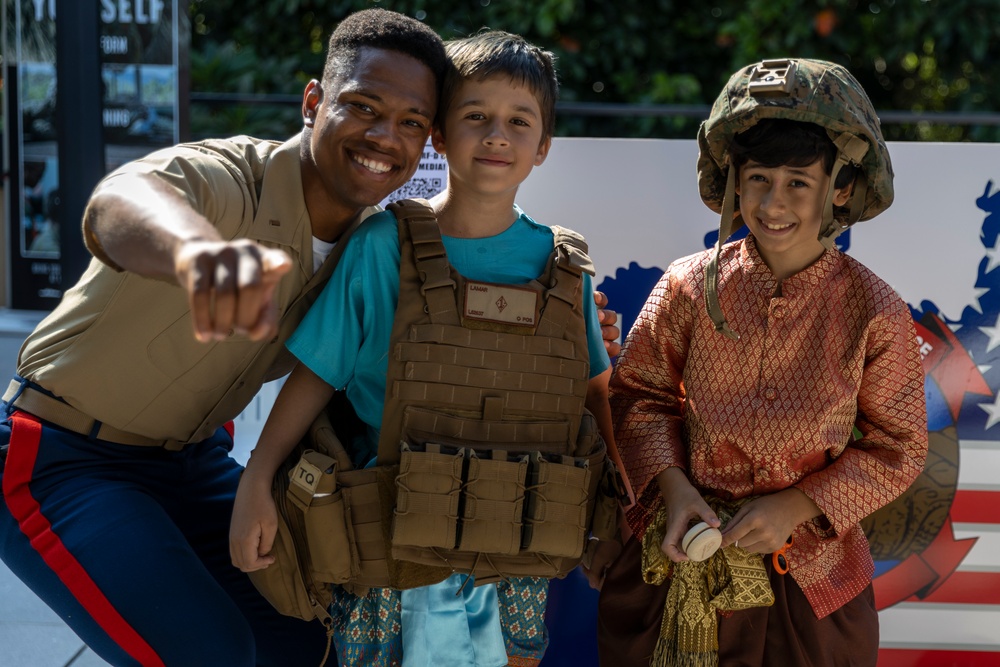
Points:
[287,583]
[313,491]
[314,544]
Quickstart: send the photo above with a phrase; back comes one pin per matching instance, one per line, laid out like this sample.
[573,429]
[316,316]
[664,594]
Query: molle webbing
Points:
[496,375]
[526,355]
[484,413]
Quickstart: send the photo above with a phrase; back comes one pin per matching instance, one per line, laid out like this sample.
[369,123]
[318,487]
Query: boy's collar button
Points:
[770,394]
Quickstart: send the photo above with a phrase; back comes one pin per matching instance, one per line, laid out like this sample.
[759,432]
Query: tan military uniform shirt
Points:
[121,348]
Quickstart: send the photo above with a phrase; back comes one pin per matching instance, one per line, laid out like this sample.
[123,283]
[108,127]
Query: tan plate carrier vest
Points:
[488,462]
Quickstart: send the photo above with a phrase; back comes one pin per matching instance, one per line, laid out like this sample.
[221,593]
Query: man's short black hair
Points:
[382,29]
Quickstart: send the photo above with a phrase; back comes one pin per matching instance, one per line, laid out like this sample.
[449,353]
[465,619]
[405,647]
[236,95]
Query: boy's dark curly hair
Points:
[382,29]
[774,142]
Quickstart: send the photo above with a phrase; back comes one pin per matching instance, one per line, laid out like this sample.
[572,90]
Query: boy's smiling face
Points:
[783,208]
[494,131]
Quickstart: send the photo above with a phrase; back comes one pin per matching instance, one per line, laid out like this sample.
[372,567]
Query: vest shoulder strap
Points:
[420,243]
[570,247]
[564,281]
[405,209]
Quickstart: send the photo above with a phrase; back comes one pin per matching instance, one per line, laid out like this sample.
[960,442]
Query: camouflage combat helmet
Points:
[812,91]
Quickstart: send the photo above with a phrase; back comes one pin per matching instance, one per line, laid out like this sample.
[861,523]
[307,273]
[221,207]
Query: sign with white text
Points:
[141,84]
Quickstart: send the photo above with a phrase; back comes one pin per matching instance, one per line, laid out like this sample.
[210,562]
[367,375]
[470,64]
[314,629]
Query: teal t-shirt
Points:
[344,338]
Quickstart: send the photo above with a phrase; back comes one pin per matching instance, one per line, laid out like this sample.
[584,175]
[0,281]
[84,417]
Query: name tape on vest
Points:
[506,304]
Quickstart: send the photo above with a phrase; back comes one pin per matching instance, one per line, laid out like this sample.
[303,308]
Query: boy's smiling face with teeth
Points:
[783,208]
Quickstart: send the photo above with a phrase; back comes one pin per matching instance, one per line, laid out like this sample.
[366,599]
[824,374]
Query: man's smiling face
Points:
[367,132]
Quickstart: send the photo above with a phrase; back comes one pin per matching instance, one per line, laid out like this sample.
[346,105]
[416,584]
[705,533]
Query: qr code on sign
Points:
[418,188]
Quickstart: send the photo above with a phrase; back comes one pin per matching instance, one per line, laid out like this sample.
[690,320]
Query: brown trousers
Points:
[788,633]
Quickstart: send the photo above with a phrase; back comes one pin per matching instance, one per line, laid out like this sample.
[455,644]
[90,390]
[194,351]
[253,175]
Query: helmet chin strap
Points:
[712,268]
[851,149]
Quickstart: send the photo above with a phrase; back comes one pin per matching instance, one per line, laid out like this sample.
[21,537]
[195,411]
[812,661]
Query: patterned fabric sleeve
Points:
[892,419]
[647,394]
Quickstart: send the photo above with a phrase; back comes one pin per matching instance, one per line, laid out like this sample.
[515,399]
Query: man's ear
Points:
[437,139]
[311,99]
[543,151]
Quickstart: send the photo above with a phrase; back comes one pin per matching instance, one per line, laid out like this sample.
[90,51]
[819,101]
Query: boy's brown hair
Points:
[494,52]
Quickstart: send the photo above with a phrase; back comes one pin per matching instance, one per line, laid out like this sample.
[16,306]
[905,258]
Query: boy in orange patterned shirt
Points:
[784,425]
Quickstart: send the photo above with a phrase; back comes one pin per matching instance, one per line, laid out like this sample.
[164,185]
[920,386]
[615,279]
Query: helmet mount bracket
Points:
[772,76]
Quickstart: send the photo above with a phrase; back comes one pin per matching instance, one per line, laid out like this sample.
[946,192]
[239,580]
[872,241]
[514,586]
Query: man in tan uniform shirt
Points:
[117,485]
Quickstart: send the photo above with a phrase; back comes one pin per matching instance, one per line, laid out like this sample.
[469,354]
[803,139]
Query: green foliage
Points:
[235,68]
[911,55]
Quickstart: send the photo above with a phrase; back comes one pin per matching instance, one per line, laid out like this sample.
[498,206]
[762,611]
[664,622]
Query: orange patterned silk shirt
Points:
[777,407]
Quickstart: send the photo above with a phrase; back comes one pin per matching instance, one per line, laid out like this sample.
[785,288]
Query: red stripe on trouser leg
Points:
[26,433]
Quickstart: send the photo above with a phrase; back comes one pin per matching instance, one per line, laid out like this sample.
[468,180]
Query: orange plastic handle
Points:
[778,558]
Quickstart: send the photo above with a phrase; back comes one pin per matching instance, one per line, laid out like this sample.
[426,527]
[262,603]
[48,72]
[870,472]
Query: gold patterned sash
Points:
[731,580]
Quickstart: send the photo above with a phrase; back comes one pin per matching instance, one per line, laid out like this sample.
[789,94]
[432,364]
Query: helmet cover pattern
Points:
[812,91]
